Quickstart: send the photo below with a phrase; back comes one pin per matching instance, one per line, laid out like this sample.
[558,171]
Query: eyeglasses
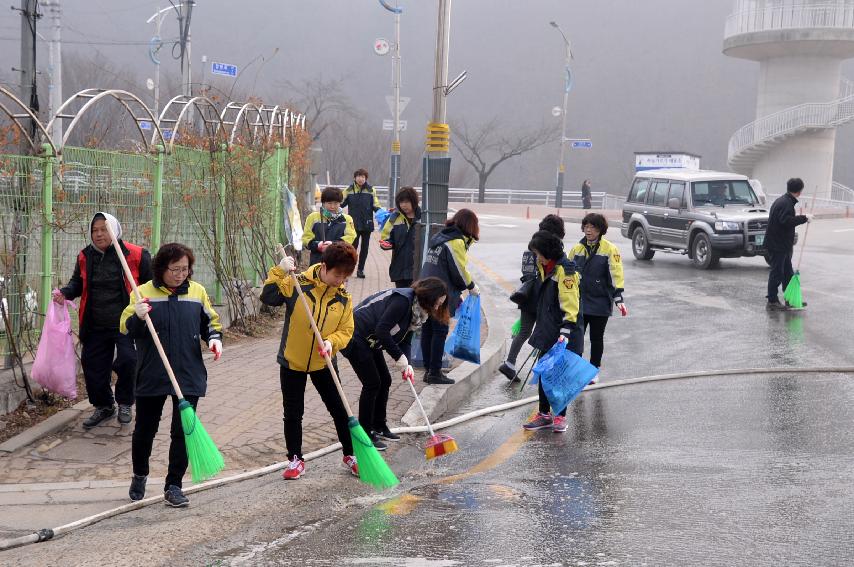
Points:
[179,271]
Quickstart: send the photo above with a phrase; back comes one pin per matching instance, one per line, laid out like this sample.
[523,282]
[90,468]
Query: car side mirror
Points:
[674,203]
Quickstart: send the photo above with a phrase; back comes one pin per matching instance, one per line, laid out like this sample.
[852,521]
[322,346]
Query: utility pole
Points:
[436,165]
[561,168]
[55,99]
[29,92]
[394,169]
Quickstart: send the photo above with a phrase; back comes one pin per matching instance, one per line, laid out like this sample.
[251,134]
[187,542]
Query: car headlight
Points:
[723,226]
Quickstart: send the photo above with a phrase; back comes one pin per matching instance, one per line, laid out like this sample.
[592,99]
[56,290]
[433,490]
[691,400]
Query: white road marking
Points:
[844,230]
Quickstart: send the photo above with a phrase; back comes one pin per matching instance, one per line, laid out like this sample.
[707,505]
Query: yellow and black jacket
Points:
[601,268]
[398,232]
[447,259]
[181,319]
[558,307]
[319,228]
[332,310]
[361,202]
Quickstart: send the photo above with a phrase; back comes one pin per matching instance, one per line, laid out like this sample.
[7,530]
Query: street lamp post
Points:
[394,169]
[153,47]
[561,168]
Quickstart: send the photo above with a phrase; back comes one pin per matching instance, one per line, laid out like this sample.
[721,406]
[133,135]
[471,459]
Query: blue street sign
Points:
[582,144]
[145,125]
[224,69]
[167,134]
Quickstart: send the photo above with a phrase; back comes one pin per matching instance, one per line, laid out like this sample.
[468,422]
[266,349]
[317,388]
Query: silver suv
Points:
[707,215]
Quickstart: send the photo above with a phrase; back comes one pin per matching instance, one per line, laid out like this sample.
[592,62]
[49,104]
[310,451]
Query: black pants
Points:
[148,412]
[403,283]
[597,337]
[781,273]
[372,371]
[363,236]
[98,364]
[528,319]
[433,335]
[576,345]
[293,402]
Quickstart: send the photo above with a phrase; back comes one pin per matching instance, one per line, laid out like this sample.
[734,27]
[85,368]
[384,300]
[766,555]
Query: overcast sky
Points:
[649,75]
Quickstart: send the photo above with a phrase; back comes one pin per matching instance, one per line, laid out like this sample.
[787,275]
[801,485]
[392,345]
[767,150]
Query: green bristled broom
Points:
[373,469]
[793,295]
[516,328]
[205,459]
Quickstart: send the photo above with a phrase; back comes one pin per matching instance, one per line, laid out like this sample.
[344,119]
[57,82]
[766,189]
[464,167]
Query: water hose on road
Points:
[48,533]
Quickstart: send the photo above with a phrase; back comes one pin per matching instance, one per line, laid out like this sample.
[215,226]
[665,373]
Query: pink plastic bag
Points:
[55,366]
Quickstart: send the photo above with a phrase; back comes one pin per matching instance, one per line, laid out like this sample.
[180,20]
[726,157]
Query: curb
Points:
[46,427]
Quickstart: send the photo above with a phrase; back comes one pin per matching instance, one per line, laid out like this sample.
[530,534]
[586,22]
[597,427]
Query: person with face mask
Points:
[182,315]
[328,225]
[299,356]
[104,292]
[385,323]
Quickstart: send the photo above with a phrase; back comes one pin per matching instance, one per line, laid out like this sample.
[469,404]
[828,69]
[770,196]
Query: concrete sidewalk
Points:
[73,472]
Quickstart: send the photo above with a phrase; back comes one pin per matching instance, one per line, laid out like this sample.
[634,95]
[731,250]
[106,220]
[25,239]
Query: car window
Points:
[638,194]
[677,191]
[659,193]
[723,193]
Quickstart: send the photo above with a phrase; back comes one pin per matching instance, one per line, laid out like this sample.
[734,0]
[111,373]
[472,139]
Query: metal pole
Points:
[219,231]
[437,163]
[394,181]
[55,99]
[47,228]
[29,94]
[561,167]
[157,214]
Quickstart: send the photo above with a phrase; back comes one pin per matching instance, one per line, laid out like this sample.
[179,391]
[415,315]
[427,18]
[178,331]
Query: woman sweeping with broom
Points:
[385,321]
[300,355]
[181,313]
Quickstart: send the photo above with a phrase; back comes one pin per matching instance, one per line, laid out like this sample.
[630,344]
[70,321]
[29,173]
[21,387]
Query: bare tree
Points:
[323,101]
[487,146]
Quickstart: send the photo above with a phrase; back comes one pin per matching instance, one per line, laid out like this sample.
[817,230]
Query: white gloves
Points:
[287,264]
[623,309]
[215,346]
[810,217]
[325,349]
[141,308]
[401,363]
[475,291]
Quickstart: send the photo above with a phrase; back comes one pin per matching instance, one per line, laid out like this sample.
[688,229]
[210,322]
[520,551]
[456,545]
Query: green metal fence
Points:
[227,205]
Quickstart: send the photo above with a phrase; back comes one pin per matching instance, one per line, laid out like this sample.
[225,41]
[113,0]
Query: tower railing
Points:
[789,15]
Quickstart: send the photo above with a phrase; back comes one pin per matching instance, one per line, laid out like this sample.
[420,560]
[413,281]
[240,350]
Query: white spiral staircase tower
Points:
[801,98]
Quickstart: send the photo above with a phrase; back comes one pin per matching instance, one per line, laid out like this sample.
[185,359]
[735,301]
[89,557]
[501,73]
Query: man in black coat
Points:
[780,241]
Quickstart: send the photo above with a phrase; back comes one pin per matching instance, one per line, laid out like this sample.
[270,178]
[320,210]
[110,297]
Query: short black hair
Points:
[597,220]
[331,195]
[794,185]
[553,224]
[407,194]
[546,243]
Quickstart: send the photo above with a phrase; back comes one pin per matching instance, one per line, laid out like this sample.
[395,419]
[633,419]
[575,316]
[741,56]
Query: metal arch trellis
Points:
[24,113]
[214,125]
[93,96]
[243,114]
[278,123]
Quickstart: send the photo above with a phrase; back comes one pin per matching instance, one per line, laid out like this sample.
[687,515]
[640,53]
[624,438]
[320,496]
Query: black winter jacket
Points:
[782,220]
[446,259]
[398,231]
[361,202]
[383,321]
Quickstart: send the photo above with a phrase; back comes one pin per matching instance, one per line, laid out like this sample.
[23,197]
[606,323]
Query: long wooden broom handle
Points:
[806,232]
[318,336]
[148,322]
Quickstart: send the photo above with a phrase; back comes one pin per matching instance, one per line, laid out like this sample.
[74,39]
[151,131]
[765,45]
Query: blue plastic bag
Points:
[464,341]
[563,374]
[381,216]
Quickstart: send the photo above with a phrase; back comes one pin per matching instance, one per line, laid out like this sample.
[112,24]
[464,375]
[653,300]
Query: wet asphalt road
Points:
[737,470]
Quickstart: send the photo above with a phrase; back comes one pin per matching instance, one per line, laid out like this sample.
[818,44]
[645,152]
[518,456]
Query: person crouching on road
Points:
[181,313]
[780,242]
[601,268]
[559,315]
[385,321]
[398,236]
[328,225]
[361,201]
[300,356]
[100,283]
[446,259]
[528,309]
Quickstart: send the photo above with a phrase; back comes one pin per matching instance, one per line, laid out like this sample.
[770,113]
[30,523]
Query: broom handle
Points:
[424,413]
[806,232]
[148,322]
[318,336]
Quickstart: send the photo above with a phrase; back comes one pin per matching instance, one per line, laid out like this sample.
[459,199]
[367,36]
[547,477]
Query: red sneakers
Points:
[294,470]
[350,463]
[559,424]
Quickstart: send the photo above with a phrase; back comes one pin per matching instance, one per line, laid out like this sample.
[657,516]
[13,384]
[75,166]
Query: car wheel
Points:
[704,256]
[640,245]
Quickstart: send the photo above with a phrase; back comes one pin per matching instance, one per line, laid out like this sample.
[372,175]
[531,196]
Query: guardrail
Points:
[789,15]
[839,193]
